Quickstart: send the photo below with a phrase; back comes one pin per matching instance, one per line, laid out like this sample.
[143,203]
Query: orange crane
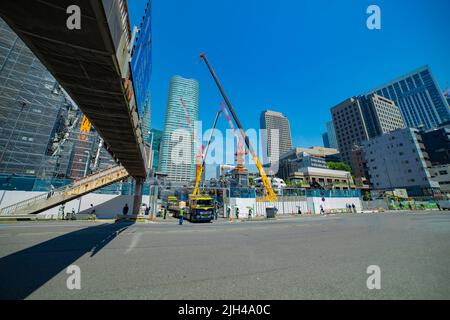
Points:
[240,150]
[270,194]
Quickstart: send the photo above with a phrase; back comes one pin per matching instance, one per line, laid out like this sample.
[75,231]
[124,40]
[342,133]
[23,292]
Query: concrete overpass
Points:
[91,64]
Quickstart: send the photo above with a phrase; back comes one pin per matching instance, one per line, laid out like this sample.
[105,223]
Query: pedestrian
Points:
[61,211]
[125,209]
[216,213]
[72,216]
[228,211]
[321,210]
[181,216]
[92,212]
[401,206]
[299,210]
[353,208]
[147,210]
[237,213]
[165,212]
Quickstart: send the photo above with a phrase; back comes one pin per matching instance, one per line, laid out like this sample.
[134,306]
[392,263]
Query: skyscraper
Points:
[360,118]
[155,139]
[326,140]
[331,133]
[272,120]
[419,98]
[145,120]
[177,158]
[141,61]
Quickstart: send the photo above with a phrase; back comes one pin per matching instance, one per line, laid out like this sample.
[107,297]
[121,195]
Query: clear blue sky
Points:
[297,57]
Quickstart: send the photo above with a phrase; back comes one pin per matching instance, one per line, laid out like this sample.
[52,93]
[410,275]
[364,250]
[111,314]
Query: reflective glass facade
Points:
[141,61]
[419,98]
[180,166]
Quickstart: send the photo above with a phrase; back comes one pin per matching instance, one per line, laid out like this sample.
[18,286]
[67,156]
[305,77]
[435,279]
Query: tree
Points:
[339,166]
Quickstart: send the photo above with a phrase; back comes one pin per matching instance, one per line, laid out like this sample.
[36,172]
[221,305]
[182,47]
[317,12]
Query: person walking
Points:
[92,215]
[165,212]
[353,208]
[125,209]
[322,211]
[181,216]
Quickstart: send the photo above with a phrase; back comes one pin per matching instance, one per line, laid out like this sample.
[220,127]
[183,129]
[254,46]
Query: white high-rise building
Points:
[273,121]
[177,158]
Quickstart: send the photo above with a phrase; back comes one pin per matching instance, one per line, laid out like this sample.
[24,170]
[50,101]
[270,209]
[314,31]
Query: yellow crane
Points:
[270,194]
[198,176]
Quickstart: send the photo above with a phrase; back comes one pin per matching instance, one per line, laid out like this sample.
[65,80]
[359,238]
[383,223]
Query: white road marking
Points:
[134,242]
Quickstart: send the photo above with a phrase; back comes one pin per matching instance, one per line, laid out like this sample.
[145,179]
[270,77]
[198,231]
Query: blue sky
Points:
[297,57]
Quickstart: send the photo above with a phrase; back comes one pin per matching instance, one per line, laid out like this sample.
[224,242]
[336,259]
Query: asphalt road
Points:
[315,257]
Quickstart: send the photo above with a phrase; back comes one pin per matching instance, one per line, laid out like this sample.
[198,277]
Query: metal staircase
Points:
[64,194]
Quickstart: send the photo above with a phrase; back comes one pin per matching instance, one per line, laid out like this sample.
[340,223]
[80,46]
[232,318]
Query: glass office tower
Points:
[177,158]
[419,98]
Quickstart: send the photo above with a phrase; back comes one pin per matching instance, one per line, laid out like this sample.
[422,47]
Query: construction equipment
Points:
[240,150]
[270,194]
[202,167]
[64,194]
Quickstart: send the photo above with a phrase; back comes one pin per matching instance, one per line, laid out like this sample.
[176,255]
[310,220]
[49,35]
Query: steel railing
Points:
[59,192]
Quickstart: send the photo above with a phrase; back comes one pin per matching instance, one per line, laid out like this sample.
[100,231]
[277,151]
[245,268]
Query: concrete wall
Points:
[284,207]
[244,205]
[106,206]
[332,204]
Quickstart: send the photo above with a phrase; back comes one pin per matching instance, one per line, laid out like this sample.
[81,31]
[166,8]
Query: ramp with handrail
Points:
[64,194]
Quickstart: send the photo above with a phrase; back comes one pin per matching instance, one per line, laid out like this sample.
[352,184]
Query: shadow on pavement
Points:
[25,271]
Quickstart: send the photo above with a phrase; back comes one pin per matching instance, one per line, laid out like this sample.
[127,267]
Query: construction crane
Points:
[240,150]
[270,194]
[199,173]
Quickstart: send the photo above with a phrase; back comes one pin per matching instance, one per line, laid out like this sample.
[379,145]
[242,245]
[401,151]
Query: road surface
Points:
[313,257]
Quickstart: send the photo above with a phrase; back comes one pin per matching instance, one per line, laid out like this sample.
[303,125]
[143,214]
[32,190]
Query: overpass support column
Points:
[138,195]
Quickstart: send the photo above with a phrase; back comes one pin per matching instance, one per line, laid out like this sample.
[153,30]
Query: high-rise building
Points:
[331,133]
[360,118]
[141,61]
[145,120]
[33,110]
[398,159]
[154,140]
[437,143]
[177,158]
[419,98]
[326,140]
[272,122]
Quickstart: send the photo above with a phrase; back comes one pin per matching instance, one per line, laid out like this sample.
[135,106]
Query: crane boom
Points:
[240,152]
[200,171]
[270,194]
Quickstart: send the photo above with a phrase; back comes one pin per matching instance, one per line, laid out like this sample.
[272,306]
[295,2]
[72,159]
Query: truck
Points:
[198,208]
